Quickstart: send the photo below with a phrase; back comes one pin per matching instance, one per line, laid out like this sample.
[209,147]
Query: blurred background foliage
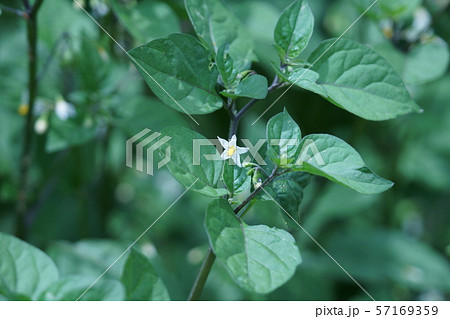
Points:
[86,206]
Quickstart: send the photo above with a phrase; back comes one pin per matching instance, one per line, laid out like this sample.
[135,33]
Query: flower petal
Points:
[241,150]
[237,159]
[233,140]
[223,142]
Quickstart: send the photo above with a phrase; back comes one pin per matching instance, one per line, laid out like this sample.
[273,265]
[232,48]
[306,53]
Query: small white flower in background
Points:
[64,110]
[421,23]
[231,150]
[41,125]
[422,20]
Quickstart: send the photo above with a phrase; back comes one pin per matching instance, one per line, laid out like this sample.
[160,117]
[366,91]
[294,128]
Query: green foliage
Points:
[360,81]
[330,157]
[66,166]
[283,135]
[216,26]
[293,31]
[140,279]
[182,164]
[146,20]
[72,287]
[226,67]
[426,62]
[253,86]
[392,256]
[258,258]
[235,178]
[182,65]
[287,191]
[388,8]
[302,77]
[25,271]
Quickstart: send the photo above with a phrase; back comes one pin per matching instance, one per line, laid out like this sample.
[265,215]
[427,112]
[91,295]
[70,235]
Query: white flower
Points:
[231,150]
[41,126]
[64,110]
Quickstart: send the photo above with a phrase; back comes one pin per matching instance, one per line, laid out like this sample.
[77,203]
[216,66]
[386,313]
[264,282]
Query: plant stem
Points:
[237,117]
[25,161]
[208,262]
[210,257]
[200,281]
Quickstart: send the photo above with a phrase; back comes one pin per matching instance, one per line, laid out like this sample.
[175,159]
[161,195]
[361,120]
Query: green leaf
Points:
[287,191]
[225,65]
[293,30]
[146,20]
[181,67]
[216,25]
[254,87]
[235,178]
[24,269]
[187,164]
[302,77]
[360,81]
[258,258]
[88,257]
[328,156]
[283,138]
[426,62]
[140,279]
[72,287]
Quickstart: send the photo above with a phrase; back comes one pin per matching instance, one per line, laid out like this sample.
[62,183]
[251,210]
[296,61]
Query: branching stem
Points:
[210,257]
[208,262]
[235,118]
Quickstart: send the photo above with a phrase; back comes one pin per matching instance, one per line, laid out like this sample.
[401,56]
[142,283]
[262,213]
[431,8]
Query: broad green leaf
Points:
[188,162]
[225,65]
[302,77]
[360,81]
[287,191]
[426,62]
[24,269]
[283,138]
[140,279]
[72,287]
[328,156]
[254,87]
[216,25]
[88,257]
[146,20]
[293,30]
[258,258]
[235,178]
[181,72]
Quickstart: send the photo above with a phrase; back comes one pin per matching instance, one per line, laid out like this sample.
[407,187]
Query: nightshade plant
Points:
[198,75]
